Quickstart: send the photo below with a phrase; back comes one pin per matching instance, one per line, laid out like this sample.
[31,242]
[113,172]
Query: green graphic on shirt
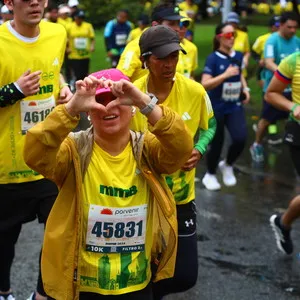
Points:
[180,190]
[118,192]
[124,279]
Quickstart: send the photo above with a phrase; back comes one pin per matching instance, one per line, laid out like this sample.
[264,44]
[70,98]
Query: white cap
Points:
[4,10]
[72,3]
[64,10]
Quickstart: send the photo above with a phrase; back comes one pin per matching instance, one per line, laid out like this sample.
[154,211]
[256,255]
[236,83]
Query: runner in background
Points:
[143,23]
[288,72]
[81,43]
[116,33]
[278,46]
[259,45]
[6,14]
[258,55]
[191,10]
[227,88]
[187,63]
[31,57]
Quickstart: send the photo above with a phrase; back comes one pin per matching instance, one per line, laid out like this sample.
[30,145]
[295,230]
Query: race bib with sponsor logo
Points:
[80,43]
[121,39]
[116,230]
[231,91]
[35,111]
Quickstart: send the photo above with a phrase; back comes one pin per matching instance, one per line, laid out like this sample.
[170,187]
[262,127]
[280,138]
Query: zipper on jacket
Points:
[75,275]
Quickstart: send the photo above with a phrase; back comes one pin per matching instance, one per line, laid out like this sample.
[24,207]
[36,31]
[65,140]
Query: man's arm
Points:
[27,85]
[270,64]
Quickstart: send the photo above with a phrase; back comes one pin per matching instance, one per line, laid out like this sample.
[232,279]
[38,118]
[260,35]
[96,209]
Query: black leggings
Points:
[236,125]
[186,269]
[20,203]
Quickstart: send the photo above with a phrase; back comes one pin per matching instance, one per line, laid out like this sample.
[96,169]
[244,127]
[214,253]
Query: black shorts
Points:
[272,114]
[24,202]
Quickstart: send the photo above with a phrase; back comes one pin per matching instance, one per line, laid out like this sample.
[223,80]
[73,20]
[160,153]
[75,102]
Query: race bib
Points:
[80,43]
[116,230]
[121,39]
[35,111]
[231,91]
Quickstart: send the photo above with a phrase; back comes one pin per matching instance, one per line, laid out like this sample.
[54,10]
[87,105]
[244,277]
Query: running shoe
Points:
[257,152]
[211,182]
[228,176]
[282,235]
[9,296]
[32,296]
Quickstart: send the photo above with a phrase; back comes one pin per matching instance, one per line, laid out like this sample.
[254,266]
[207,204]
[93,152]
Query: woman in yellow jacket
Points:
[113,226]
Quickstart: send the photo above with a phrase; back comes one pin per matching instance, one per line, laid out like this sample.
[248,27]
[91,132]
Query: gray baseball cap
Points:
[160,40]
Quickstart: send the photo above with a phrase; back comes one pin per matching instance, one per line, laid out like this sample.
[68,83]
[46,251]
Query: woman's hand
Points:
[231,71]
[84,98]
[126,93]
[247,96]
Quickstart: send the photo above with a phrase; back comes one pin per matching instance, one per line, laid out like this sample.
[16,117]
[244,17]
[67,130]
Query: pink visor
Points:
[112,74]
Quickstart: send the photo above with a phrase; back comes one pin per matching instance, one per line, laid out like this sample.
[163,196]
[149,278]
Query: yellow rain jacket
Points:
[63,157]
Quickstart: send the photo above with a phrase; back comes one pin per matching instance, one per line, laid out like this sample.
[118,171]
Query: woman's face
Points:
[226,37]
[113,122]
[163,69]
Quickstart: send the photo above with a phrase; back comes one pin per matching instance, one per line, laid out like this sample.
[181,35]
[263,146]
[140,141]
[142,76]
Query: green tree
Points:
[100,11]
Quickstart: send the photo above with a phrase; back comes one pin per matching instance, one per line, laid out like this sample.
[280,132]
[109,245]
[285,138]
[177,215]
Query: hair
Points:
[52,7]
[218,30]
[126,11]
[288,16]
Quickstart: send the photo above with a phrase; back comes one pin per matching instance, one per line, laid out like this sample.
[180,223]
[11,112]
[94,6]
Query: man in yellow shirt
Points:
[191,9]
[31,54]
[259,44]
[143,22]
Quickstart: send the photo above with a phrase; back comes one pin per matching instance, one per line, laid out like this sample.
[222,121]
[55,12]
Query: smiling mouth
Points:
[110,117]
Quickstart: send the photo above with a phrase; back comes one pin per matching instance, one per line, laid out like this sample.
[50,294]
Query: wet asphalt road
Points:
[238,258]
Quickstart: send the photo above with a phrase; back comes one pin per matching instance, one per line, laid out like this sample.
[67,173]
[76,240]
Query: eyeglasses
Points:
[184,24]
[227,35]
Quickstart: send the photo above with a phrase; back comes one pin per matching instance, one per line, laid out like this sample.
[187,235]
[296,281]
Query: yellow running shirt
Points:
[241,44]
[187,63]
[289,72]
[190,100]
[116,247]
[130,63]
[191,11]
[80,40]
[19,54]
[134,33]
[259,44]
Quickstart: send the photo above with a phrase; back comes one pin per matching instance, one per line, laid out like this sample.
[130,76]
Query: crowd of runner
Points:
[107,161]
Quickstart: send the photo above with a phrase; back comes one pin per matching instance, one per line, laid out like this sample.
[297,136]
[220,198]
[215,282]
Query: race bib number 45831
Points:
[116,230]
[35,111]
